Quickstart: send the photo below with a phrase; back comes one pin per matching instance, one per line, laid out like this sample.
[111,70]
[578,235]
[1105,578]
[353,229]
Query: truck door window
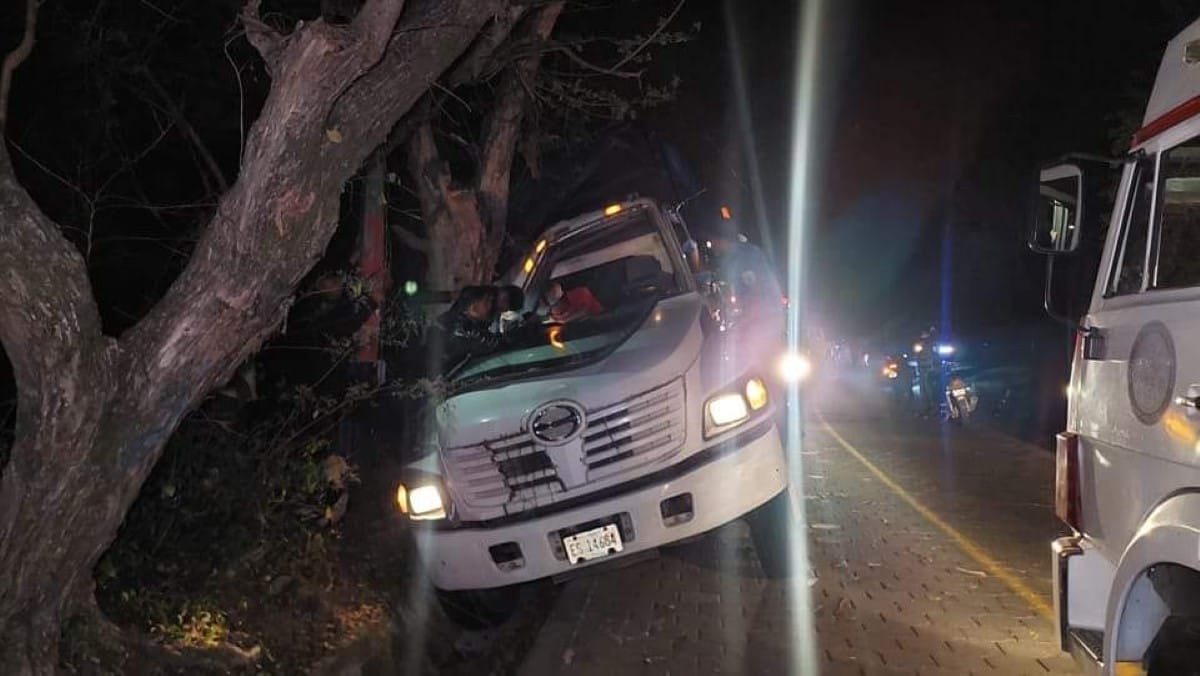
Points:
[1178,237]
[1128,272]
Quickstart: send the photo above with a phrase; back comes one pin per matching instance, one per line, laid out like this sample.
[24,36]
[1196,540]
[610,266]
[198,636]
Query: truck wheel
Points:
[479,608]
[772,528]
[1176,648]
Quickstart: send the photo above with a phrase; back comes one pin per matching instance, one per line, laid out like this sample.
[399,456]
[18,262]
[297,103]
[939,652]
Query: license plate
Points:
[593,544]
[959,393]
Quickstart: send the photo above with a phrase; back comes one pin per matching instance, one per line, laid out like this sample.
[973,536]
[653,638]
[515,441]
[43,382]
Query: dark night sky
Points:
[933,117]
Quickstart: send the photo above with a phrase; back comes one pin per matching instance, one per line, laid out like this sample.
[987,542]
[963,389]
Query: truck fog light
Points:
[676,510]
[425,502]
[507,556]
[756,394]
[727,409]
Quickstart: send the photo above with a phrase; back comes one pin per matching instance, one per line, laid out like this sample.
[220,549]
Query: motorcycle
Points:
[961,400]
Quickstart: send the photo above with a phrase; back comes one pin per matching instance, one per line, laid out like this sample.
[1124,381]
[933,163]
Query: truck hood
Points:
[661,350]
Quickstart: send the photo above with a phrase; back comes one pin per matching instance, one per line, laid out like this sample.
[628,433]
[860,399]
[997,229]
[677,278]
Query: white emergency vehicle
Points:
[1127,582]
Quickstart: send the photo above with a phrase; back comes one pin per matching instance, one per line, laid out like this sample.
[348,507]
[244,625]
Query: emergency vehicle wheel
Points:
[1176,648]
[773,528]
[479,608]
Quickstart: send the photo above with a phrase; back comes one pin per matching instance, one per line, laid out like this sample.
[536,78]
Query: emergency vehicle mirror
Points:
[1056,222]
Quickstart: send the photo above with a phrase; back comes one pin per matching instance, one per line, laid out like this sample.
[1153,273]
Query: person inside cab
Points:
[465,328]
[570,304]
[510,301]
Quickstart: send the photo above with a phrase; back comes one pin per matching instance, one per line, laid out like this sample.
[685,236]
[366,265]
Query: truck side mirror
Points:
[1059,216]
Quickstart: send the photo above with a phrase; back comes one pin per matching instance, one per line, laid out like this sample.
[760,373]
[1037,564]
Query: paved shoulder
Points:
[890,592]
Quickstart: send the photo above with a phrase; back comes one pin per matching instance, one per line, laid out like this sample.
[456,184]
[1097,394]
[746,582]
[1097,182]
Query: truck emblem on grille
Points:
[556,423]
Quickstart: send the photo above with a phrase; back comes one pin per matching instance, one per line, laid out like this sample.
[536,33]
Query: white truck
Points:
[602,437]
[1127,581]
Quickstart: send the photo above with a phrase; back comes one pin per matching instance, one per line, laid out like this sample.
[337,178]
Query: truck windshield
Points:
[592,290]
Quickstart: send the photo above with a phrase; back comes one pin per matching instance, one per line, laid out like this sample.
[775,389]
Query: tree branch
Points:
[267,41]
[473,64]
[172,109]
[49,323]
[372,98]
[376,20]
[579,60]
[15,58]
[504,125]
[645,43]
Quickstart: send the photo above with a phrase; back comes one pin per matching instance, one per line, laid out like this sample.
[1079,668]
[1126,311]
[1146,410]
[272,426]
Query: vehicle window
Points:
[1131,262]
[618,264]
[614,274]
[1179,218]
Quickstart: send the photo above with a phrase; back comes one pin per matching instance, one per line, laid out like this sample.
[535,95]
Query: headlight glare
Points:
[727,409]
[795,367]
[422,502]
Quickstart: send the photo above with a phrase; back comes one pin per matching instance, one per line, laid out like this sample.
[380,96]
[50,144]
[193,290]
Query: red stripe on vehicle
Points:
[1167,120]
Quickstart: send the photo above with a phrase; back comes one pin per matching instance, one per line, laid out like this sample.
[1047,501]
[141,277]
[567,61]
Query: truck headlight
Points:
[727,409]
[422,502]
[756,394]
[734,406]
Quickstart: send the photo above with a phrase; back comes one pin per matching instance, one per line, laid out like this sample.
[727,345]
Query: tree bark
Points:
[467,223]
[94,413]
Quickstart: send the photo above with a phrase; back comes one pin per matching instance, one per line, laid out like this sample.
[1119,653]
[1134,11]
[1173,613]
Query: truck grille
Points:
[517,473]
[641,429]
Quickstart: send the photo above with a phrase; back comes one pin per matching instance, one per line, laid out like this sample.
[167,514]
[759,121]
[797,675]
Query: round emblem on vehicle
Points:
[556,423]
[1151,372]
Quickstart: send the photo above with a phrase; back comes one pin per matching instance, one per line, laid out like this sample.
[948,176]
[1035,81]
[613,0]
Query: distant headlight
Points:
[945,350]
[794,367]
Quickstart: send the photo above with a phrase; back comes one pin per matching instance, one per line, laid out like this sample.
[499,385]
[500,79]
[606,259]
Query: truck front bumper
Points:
[724,481]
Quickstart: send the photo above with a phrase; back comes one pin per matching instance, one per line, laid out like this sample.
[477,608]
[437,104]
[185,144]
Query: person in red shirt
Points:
[571,304]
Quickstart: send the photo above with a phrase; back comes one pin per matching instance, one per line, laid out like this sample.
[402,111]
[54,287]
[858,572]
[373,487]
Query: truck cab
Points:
[1127,580]
[642,423]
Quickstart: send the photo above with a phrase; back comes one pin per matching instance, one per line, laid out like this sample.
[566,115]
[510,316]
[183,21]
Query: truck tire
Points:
[479,608]
[772,527]
[1176,648]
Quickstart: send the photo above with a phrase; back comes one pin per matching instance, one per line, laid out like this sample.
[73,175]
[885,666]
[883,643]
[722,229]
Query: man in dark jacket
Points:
[465,329]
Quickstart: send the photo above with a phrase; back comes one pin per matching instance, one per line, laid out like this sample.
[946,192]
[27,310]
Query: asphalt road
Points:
[927,550]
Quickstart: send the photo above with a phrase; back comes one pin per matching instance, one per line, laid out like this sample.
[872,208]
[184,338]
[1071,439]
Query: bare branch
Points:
[266,40]
[168,105]
[16,57]
[645,43]
[579,60]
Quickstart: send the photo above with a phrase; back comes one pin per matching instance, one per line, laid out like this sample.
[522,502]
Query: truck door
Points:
[1139,378]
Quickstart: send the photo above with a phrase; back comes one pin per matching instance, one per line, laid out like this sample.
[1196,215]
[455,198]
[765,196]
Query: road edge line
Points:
[967,545]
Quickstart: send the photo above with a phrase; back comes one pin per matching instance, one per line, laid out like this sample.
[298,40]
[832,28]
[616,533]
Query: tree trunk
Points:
[467,224]
[94,413]
[451,216]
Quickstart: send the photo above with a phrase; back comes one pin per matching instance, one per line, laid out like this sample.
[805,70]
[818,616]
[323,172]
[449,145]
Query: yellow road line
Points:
[968,546]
